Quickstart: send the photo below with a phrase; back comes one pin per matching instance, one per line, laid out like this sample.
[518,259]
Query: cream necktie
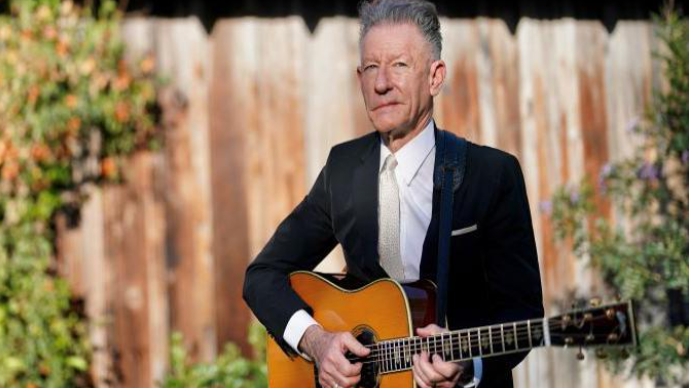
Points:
[389,220]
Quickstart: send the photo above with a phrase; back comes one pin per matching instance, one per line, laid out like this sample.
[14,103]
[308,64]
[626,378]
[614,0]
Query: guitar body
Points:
[377,311]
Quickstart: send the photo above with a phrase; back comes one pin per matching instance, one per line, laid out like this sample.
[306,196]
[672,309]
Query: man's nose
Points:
[382,84]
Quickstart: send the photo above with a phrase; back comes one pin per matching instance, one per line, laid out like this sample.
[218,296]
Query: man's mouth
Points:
[387,104]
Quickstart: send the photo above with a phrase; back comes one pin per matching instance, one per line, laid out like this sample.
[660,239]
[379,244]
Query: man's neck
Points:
[395,140]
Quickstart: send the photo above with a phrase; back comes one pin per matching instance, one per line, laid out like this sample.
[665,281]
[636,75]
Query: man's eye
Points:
[400,64]
[370,67]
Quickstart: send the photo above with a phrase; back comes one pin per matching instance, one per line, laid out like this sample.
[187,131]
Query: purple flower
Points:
[574,197]
[546,207]
[648,172]
[606,170]
[685,157]
[633,125]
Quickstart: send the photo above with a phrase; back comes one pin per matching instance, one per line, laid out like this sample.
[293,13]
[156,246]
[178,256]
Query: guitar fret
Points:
[469,340]
[394,353]
[461,344]
[480,348]
[502,333]
[490,338]
[546,332]
[528,329]
[381,358]
[514,334]
[447,350]
[442,344]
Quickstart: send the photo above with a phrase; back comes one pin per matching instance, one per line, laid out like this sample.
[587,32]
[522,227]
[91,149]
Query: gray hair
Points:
[421,13]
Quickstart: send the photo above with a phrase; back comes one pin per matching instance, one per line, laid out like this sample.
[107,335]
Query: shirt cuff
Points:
[478,373]
[295,329]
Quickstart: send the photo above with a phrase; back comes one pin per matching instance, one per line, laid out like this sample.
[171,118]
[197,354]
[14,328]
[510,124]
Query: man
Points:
[375,197]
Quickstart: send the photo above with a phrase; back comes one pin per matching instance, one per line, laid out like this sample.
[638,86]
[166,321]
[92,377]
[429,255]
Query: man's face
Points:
[398,77]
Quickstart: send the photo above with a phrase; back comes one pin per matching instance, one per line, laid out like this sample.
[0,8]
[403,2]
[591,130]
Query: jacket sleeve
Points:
[511,261]
[300,242]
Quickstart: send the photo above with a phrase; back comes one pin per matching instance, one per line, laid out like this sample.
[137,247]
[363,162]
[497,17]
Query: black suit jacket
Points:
[494,275]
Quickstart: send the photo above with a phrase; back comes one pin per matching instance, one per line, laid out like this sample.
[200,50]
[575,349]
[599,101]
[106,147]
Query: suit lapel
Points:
[428,265]
[428,268]
[365,200]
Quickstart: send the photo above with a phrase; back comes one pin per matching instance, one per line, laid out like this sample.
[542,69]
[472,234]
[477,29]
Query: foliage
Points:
[644,254]
[70,109]
[230,370]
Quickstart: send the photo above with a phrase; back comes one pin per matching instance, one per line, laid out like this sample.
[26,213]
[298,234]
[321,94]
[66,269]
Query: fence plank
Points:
[256,107]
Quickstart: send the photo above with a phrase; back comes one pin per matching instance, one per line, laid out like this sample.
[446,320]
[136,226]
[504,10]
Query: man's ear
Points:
[437,76]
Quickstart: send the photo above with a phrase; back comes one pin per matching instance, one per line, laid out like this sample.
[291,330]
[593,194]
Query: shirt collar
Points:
[412,155]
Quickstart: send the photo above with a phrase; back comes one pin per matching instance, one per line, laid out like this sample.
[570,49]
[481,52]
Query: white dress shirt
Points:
[414,174]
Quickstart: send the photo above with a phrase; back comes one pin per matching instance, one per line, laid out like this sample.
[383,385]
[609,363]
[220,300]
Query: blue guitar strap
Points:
[449,178]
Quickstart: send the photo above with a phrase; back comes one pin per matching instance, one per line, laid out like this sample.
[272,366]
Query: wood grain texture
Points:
[256,106]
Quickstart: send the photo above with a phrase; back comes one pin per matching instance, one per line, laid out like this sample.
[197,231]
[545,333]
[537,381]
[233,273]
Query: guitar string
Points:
[521,328]
[454,344]
[522,333]
[455,347]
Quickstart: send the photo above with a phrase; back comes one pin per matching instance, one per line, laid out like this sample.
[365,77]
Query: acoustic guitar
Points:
[382,315]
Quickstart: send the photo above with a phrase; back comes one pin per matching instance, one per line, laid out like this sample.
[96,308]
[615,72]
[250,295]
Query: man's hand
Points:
[435,373]
[328,351]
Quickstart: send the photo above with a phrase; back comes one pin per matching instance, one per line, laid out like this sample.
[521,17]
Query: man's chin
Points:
[385,126]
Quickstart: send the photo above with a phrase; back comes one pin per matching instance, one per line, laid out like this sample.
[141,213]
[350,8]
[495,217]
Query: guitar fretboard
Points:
[396,355]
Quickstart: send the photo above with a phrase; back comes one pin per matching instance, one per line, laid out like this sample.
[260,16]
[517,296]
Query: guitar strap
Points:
[449,178]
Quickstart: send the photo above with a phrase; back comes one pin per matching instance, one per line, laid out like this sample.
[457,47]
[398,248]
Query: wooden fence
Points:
[257,105]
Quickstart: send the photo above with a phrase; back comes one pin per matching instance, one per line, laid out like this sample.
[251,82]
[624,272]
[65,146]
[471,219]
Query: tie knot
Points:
[390,163]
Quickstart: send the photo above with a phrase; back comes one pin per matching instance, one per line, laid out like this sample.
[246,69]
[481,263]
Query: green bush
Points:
[645,254]
[70,109]
[230,369]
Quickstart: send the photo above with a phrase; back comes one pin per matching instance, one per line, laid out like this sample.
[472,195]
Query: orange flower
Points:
[122,82]
[122,112]
[45,369]
[4,147]
[108,168]
[71,101]
[73,125]
[148,64]
[34,92]
[40,153]
[62,48]
[27,34]
[10,171]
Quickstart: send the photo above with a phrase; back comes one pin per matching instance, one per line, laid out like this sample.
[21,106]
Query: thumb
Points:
[429,330]
[355,346]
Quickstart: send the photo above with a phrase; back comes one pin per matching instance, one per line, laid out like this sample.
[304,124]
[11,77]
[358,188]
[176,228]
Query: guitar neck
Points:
[459,345]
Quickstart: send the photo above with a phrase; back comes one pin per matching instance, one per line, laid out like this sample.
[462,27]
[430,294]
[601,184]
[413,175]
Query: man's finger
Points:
[332,373]
[346,368]
[419,375]
[448,370]
[355,346]
[430,330]
[428,369]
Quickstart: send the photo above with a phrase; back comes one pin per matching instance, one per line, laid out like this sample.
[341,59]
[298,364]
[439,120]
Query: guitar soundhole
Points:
[369,372]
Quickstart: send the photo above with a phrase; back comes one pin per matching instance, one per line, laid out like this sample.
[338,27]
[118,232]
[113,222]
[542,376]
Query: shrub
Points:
[70,108]
[645,254]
